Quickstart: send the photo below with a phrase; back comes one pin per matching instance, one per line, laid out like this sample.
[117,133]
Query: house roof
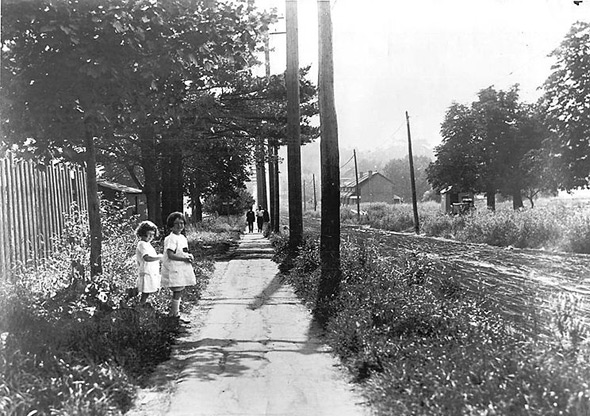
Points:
[362,178]
[118,187]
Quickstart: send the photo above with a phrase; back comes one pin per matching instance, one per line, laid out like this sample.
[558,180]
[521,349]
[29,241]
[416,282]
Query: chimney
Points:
[370,173]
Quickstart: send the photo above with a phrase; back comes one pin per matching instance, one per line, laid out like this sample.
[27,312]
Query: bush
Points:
[577,235]
[73,344]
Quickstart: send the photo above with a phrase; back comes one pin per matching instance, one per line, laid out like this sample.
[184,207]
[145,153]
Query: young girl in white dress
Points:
[177,269]
[148,261]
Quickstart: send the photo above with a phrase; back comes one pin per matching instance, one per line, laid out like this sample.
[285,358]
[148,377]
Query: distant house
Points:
[373,187]
[136,200]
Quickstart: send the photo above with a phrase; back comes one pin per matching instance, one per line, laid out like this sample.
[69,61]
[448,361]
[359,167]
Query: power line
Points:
[352,157]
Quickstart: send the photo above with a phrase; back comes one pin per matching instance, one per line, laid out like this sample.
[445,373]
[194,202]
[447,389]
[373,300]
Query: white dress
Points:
[176,273]
[148,278]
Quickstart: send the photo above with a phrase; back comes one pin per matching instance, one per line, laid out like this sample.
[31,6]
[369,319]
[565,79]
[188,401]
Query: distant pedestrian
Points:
[259,218]
[177,269]
[148,261]
[250,217]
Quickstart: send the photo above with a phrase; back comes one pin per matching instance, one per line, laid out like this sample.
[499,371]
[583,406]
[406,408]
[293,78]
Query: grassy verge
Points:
[423,345]
[75,345]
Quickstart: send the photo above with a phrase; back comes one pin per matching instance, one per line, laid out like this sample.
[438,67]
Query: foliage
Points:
[398,171]
[566,105]
[485,147]
[425,345]
[235,202]
[73,344]
[550,226]
[141,78]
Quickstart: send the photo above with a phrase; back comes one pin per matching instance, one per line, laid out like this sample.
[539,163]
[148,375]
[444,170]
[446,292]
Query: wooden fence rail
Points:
[34,203]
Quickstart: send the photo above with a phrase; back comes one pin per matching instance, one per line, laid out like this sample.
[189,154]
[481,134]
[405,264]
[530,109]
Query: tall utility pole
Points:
[273,151]
[272,160]
[293,128]
[330,273]
[315,200]
[304,198]
[358,194]
[412,178]
[261,175]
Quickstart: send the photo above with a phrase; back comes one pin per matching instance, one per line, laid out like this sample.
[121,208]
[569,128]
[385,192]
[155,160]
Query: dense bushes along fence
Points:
[82,346]
[34,201]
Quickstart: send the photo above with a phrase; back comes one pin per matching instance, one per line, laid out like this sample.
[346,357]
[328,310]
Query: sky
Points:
[420,56]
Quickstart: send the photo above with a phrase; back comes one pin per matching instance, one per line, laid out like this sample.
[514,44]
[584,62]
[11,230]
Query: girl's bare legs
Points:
[175,303]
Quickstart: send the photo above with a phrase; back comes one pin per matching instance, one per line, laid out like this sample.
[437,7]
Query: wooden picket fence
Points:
[34,203]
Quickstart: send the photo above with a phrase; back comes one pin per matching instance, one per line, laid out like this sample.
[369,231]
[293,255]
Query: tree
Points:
[398,171]
[457,158]
[566,106]
[484,146]
[233,202]
[111,75]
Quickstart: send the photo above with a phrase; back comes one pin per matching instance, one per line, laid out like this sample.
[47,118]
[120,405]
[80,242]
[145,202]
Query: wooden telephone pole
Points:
[273,159]
[315,200]
[293,128]
[412,178]
[358,194]
[330,274]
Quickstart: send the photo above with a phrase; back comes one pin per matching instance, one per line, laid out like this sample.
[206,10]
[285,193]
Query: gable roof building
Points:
[373,187]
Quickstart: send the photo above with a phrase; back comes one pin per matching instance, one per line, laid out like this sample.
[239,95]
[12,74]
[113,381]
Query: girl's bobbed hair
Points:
[145,226]
[173,217]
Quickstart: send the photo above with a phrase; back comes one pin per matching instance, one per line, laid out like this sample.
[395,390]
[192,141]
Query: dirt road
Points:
[250,349]
[525,285]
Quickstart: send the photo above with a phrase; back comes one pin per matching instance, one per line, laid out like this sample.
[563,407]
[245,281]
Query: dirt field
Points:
[523,284]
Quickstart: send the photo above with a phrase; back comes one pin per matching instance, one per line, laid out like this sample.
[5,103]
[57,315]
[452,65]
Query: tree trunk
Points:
[293,130]
[330,170]
[491,199]
[277,196]
[172,181]
[271,186]
[261,194]
[150,165]
[197,207]
[517,200]
[93,202]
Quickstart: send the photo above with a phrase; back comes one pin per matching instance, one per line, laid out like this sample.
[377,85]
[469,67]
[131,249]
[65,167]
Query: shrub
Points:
[577,233]
[73,344]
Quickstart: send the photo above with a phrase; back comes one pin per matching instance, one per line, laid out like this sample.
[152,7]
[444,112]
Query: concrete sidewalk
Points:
[250,350]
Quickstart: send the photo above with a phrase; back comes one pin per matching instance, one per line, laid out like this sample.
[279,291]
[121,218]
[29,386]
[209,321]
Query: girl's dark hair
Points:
[173,217]
[145,226]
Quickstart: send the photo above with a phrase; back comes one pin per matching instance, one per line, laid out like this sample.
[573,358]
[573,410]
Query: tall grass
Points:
[553,226]
[424,345]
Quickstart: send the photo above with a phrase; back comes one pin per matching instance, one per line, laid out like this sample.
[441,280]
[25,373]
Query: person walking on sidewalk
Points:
[177,268]
[148,261]
[250,217]
[259,218]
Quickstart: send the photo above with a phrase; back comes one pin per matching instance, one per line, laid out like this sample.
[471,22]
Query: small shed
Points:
[448,197]
[136,199]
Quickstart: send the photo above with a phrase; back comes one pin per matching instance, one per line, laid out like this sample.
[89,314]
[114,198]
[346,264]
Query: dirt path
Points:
[250,349]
